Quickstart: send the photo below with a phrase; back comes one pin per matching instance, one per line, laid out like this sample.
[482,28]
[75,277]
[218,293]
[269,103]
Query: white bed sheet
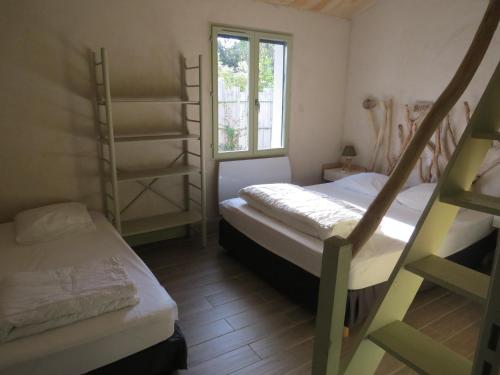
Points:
[375,261]
[95,342]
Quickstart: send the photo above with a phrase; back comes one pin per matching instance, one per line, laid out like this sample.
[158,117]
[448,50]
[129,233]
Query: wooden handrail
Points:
[373,216]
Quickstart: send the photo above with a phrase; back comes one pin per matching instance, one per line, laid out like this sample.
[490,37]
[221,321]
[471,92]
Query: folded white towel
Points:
[33,302]
[305,210]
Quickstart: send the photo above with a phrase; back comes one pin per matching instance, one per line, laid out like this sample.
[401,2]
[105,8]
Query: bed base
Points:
[162,358]
[303,287]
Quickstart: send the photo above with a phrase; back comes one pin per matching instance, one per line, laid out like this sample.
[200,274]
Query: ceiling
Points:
[338,8]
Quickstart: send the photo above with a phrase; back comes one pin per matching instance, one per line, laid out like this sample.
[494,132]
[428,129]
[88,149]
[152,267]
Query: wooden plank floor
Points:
[235,323]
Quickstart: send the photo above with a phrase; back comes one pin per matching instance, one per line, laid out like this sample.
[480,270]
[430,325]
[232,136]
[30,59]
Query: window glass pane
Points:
[271,101]
[233,59]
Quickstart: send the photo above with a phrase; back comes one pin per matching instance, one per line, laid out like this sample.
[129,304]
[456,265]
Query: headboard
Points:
[234,175]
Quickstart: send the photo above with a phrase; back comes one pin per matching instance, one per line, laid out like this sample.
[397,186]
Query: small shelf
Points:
[159,222]
[155,173]
[159,99]
[155,137]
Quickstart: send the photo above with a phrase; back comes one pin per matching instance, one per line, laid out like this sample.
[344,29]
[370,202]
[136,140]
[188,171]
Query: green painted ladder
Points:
[384,330]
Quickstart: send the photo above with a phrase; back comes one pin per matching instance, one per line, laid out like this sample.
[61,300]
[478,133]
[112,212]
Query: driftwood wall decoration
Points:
[440,147]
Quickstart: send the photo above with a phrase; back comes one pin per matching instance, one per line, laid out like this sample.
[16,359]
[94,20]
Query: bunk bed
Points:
[291,260]
[140,339]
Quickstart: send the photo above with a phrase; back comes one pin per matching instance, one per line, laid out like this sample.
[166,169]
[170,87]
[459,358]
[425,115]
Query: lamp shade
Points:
[349,151]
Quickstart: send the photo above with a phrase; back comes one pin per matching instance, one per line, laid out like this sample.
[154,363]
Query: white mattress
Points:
[374,263]
[95,342]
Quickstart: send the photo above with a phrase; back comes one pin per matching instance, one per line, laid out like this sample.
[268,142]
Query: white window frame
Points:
[254,36]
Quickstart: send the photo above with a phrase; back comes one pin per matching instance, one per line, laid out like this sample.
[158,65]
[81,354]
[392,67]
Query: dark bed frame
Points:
[162,358]
[303,287]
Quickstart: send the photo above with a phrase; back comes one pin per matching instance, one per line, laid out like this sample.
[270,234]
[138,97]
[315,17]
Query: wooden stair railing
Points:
[383,330]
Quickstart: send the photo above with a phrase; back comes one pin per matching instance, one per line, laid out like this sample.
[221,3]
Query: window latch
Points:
[257,104]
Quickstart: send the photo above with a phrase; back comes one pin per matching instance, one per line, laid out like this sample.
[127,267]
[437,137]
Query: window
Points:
[250,92]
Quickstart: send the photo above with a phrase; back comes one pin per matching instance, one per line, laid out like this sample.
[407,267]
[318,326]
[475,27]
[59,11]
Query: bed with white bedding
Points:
[372,265]
[377,258]
[96,342]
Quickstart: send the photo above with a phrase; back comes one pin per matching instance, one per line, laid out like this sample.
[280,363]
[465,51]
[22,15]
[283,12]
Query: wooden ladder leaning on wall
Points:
[384,330]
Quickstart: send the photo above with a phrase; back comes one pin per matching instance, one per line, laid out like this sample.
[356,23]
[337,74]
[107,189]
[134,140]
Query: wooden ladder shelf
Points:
[147,178]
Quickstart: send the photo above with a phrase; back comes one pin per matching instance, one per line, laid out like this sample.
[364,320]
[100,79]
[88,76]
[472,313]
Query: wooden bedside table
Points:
[333,171]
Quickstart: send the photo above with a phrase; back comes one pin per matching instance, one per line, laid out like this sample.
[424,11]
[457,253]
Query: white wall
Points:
[47,142]
[409,50]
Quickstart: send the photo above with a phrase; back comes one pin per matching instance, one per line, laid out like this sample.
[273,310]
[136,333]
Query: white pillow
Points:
[369,183]
[417,196]
[50,222]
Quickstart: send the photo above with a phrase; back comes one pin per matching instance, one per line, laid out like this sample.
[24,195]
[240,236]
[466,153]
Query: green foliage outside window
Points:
[233,66]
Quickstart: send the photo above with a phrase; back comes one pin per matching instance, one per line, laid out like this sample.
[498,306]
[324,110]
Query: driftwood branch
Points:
[378,145]
[388,126]
[375,213]
[467,111]
[421,169]
[369,104]
[435,156]
[448,131]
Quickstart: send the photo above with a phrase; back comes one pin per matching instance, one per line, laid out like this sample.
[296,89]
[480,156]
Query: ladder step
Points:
[452,276]
[419,351]
[491,135]
[474,201]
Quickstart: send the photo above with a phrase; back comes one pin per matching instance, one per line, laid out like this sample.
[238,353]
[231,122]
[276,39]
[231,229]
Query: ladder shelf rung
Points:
[158,172]
[474,201]
[489,135]
[452,276]
[159,222]
[155,137]
[419,351]
[152,100]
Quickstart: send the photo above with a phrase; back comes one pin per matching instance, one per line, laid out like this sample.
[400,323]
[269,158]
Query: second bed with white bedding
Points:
[374,263]
[95,342]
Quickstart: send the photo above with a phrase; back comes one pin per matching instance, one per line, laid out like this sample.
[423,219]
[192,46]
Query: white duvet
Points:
[33,302]
[310,212]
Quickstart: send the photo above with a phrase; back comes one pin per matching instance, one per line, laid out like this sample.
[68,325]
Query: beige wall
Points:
[47,143]
[409,50]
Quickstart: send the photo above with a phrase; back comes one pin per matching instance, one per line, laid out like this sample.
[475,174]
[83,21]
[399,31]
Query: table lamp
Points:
[348,153]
